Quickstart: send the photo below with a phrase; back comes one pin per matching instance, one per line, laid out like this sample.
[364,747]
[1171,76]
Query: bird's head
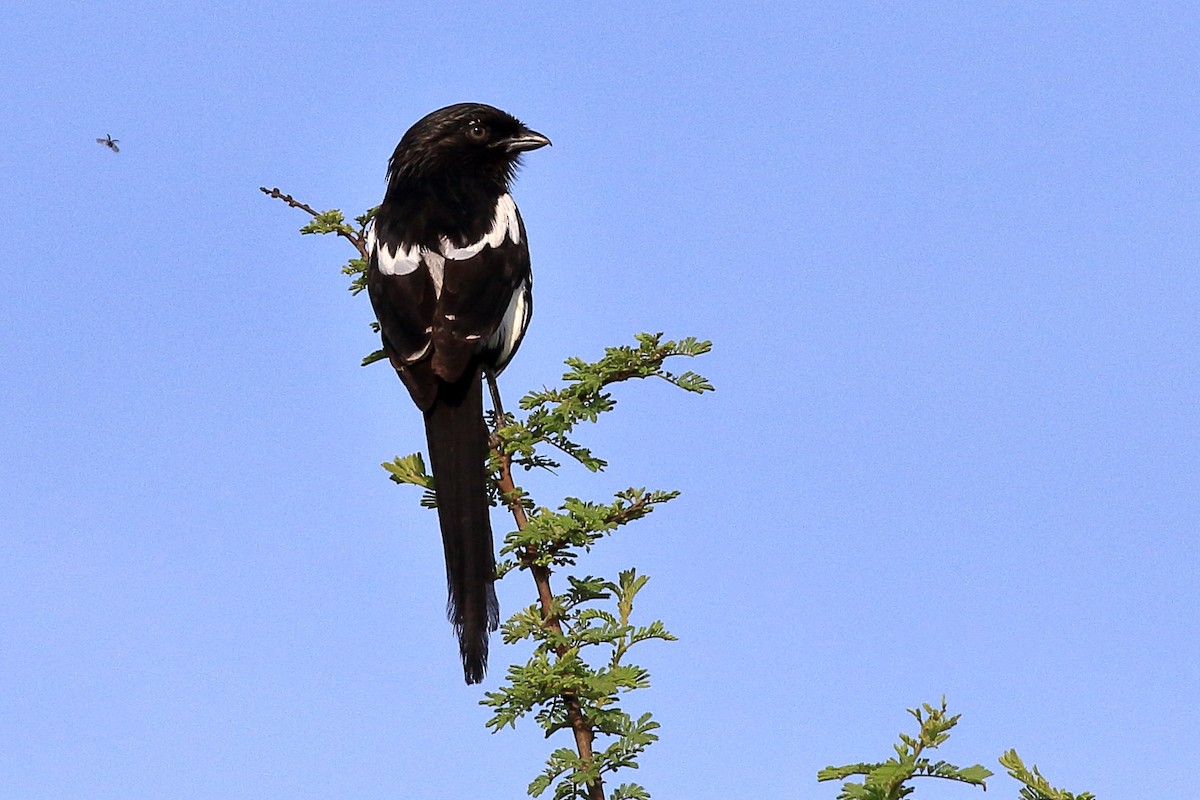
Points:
[467,138]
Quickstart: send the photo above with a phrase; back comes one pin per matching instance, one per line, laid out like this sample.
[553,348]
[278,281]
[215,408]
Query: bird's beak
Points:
[524,141]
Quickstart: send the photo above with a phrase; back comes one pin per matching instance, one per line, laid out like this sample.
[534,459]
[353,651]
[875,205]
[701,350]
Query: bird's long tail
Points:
[458,444]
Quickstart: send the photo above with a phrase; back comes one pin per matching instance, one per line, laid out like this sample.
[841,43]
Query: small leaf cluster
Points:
[333,221]
[554,538]
[1035,786]
[560,673]
[574,774]
[410,470]
[889,780]
[553,414]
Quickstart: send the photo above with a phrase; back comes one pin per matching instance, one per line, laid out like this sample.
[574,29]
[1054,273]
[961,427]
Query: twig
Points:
[287,198]
[353,238]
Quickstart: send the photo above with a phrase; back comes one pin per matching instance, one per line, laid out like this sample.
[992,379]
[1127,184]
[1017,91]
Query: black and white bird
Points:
[449,279]
[109,142]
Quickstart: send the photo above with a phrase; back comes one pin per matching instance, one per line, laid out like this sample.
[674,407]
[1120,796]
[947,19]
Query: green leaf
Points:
[845,771]
[1036,787]
[330,221]
[976,774]
[410,470]
[629,791]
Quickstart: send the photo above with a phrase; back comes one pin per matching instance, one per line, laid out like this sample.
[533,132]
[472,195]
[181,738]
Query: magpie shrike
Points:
[449,280]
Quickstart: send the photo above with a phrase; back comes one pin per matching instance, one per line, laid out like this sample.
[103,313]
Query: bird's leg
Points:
[497,406]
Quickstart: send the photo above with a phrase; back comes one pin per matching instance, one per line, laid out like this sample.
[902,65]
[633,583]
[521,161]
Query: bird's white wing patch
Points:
[417,356]
[391,259]
[505,224]
[516,318]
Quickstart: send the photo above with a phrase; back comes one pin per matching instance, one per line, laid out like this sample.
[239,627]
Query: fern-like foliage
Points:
[891,779]
[1035,786]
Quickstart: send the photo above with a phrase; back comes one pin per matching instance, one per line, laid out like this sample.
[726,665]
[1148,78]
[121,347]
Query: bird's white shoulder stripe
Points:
[505,225]
[393,260]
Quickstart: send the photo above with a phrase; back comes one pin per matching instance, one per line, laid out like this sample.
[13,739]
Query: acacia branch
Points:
[580,726]
[583,729]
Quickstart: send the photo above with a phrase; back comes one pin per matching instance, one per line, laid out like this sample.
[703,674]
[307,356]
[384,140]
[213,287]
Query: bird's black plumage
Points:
[449,279]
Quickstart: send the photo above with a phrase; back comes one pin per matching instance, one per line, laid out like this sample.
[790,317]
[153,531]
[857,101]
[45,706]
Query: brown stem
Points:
[584,735]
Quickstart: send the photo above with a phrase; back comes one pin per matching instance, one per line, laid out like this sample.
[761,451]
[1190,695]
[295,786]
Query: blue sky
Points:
[946,255]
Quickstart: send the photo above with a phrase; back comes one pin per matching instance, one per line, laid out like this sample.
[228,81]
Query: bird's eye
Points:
[477,132]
